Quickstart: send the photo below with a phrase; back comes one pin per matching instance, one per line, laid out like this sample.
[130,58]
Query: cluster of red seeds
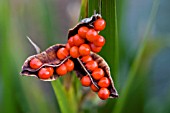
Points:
[87,40]
[47,72]
[80,45]
[98,75]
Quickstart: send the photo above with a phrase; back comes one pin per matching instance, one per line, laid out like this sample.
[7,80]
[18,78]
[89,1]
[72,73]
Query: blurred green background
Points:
[143,82]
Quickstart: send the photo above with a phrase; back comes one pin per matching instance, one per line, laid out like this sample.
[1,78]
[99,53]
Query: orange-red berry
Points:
[68,46]
[86,59]
[35,63]
[91,35]
[99,24]
[70,41]
[84,49]
[103,93]
[61,70]
[51,70]
[98,73]
[100,41]
[92,65]
[94,48]
[78,40]
[94,88]
[74,52]
[82,31]
[104,82]
[69,65]
[85,81]
[62,53]
[45,73]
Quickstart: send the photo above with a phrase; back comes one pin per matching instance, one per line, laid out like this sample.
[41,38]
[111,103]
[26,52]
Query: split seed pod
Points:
[82,71]
[48,58]
[88,22]
[80,68]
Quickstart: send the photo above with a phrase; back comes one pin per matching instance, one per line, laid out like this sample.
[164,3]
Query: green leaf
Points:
[110,51]
[5,74]
[136,63]
[83,10]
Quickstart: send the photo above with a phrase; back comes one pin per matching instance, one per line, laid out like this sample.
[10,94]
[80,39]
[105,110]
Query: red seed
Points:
[103,93]
[45,73]
[51,70]
[74,52]
[69,65]
[35,63]
[61,70]
[78,40]
[82,31]
[68,46]
[104,82]
[84,49]
[62,53]
[92,65]
[86,59]
[94,88]
[94,48]
[85,81]
[98,73]
[99,24]
[91,35]
[71,42]
[100,41]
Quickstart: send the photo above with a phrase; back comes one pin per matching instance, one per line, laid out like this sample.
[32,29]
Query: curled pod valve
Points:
[45,64]
[100,77]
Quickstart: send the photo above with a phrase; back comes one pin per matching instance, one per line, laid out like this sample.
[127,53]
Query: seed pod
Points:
[102,64]
[87,22]
[82,71]
[48,58]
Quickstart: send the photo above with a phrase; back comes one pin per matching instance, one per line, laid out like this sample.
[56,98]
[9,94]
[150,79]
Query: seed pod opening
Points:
[88,22]
[82,71]
[48,59]
[102,64]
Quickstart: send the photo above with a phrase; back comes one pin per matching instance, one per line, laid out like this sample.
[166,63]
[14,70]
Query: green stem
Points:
[65,98]
[62,99]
